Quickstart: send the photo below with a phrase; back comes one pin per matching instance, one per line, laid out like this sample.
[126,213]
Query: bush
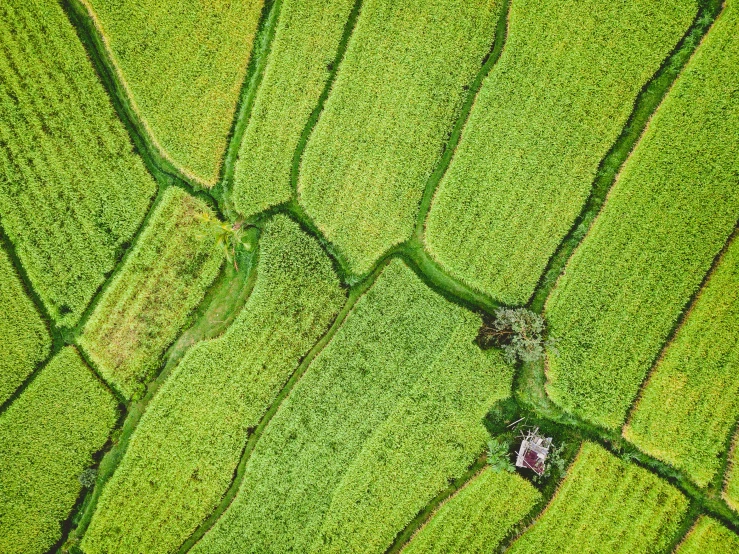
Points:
[518,331]
[499,456]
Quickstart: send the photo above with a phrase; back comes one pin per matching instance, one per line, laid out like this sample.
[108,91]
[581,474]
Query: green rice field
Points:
[372,277]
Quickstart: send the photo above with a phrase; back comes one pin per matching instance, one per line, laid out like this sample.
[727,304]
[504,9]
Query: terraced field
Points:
[288,276]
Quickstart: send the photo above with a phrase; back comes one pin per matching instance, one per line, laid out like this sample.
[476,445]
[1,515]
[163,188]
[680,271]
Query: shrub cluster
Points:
[385,416]
[182,456]
[147,304]
[47,438]
[395,99]
[72,190]
[519,332]
[667,217]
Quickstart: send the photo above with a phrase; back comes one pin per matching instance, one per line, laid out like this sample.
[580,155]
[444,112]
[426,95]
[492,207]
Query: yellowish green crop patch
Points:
[668,215]
[194,430]
[545,117]
[183,64]
[147,304]
[47,438]
[385,123]
[24,338]
[72,191]
[708,536]
[606,505]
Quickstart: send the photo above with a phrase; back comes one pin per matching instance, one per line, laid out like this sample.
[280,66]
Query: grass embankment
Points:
[302,61]
[384,126]
[708,536]
[25,338]
[479,517]
[362,443]
[667,217]
[194,430]
[183,65]
[47,438]
[606,505]
[545,116]
[690,404]
[72,191]
[148,302]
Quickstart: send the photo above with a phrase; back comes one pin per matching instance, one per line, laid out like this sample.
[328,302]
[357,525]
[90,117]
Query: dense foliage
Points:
[478,518]
[709,536]
[518,332]
[384,126]
[148,302]
[546,115]
[667,217]
[72,192]
[182,456]
[47,438]
[386,414]
[183,64]
[301,58]
[698,374]
[606,505]
[24,338]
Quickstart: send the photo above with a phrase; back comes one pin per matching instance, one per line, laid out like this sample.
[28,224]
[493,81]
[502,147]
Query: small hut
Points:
[534,451]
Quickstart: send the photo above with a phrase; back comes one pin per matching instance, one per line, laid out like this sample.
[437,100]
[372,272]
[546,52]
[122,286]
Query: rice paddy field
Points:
[363,276]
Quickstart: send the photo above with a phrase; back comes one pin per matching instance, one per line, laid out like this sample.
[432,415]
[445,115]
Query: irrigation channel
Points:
[231,289]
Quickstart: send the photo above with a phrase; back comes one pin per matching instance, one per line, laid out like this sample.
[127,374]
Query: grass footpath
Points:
[26,341]
[195,429]
[47,438]
[182,66]
[479,517]
[72,190]
[667,217]
[360,445]
[395,100]
[606,505]
[310,39]
[690,404]
[545,116]
[145,307]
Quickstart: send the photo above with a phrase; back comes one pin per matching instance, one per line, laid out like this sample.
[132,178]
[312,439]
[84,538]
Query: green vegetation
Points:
[518,332]
[731,486]
[667,217]
[72,191]
[47,438]
[707,537]
[543,120]
[606,505]
[24,337]
[301,59]
[698,374]
[183,65]
[385,124]
[387,413]
[147,304]
[194,430]
[479,517]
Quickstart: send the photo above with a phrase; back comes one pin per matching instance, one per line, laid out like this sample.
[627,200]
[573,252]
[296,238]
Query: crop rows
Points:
[72,191]
[667,217]
[606,505]
[183,65]
[731,487]
[384,126]
[47,438]
[182,456]
[147,304]
[301,59]
[543,120]
[25,338]
[386,414]
[708,536]
[479,517]
[698,374]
